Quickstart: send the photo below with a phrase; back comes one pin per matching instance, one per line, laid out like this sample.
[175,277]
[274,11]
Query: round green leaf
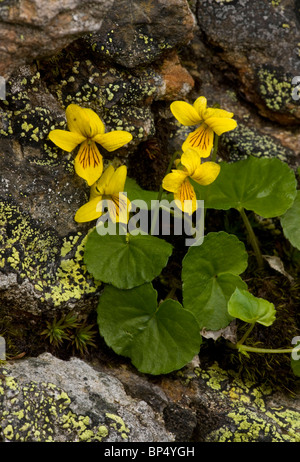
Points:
[210,274]
[248,308]
[157,339]
[290,223]
[295,364]
[125,261]
[265,186]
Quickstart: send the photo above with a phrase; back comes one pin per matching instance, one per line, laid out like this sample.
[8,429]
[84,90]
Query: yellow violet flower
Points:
[87,129]
[108,188]
[210,121]
[178,182]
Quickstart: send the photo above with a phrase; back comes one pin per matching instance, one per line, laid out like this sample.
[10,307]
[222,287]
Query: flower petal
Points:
[191,160]
[113,140]
[88,211]
[88,162]
[185,113]
[173,181]
[206,173]
[216,112]
[221,124]
[99,188]
[66,140]
[201,140]
[185,198]
[84,121]
[200,105]
[117,181]
[119,208]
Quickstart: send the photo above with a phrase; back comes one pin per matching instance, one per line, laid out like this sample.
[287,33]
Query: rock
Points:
[261,51]
[46,399]
[33,29]
[144,33]
[255,134]
[41,246]
[36,29]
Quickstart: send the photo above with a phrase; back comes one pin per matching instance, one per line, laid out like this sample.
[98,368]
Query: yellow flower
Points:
[87,129]
[178,182]
[108,188]
[210,121]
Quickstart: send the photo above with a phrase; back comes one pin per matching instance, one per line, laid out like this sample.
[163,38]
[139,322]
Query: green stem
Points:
[160,193]
[246,334]
[252,238]
[264,350]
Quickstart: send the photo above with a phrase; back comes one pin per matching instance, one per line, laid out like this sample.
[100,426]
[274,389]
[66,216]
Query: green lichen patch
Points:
[245,141]
[54,266]
[275,3]
[118,424]
[41,412]
[275,88]
[29,113]
[72,279]
[139,45]
[100,85]
[249,416]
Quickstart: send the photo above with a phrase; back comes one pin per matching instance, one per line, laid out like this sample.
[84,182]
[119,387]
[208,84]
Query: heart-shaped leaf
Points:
[125,261]
[210,274]
[265,186]
[157,338]
[290,222]
[248,308]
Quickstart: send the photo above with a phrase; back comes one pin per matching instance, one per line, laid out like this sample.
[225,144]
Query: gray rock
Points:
[47,399]
[144,33]
[40,28]
[259,41]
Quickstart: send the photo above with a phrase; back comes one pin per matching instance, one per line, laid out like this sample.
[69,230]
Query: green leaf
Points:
[290,223]
[295,364]
[248,308]
[157,339]
[125,261]
[265,186]
[135,192]
[210,274]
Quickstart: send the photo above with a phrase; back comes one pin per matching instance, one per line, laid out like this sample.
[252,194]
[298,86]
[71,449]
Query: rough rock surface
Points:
[41,245]
[32,29]
[259,42]
[241,54]
[46,399]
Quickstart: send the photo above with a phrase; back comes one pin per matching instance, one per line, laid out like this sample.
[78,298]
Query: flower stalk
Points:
[252,238]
